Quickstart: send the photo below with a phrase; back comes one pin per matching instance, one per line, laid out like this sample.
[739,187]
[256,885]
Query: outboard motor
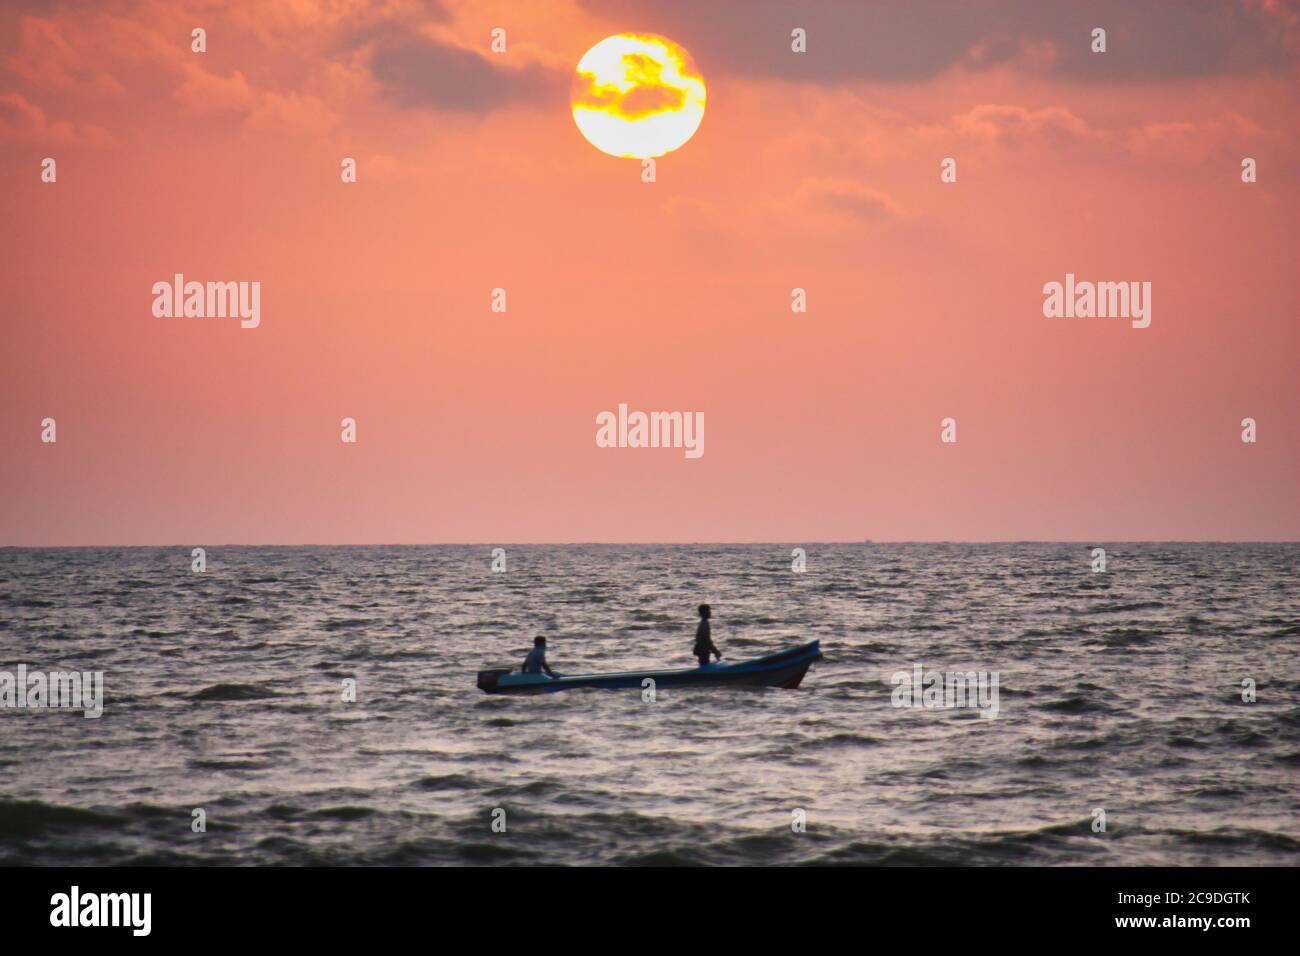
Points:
[487,680]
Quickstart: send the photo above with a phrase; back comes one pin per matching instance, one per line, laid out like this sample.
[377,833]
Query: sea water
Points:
[318,706]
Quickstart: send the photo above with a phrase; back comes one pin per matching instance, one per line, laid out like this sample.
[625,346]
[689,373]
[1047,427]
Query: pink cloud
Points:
[49,59]
[1015,124]
[23,121]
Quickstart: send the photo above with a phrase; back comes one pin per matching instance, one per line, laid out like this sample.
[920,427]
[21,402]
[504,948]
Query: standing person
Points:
[704,637]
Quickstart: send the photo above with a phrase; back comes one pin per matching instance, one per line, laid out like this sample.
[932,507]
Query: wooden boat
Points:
[783,669]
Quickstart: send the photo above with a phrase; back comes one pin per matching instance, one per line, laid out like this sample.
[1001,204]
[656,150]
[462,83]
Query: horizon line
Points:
[795,542]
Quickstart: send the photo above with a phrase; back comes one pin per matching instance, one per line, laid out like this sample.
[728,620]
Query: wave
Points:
[841,740]
[24,818]
[1128,637]
[1241,837]
[1123,608]
[1076,704]
[347,623]
[451,781]
[233,764]
[358,834]
[343,813]
[233,692]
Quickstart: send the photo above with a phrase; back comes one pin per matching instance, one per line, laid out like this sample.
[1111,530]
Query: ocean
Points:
[1121,734]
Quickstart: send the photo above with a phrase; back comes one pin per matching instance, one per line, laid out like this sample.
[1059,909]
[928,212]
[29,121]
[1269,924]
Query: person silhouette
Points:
[704,637]
[535,662]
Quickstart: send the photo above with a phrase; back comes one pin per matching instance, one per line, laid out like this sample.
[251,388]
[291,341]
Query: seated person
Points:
[535,662]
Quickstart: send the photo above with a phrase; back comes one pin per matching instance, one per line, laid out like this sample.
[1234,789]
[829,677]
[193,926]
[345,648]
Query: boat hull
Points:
[784,669]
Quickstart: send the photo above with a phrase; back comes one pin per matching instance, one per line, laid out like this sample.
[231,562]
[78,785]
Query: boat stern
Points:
[487,680]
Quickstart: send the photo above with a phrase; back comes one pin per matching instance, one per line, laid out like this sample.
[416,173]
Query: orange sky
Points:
[816,170]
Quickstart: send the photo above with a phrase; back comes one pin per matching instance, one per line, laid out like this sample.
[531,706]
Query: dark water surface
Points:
[1119,691]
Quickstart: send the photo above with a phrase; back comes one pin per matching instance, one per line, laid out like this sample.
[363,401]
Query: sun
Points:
[637,95]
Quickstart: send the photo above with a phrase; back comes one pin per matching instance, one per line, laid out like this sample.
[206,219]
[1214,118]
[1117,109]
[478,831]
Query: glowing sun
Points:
[637,95]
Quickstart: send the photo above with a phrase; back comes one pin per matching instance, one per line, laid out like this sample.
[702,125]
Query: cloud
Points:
[1154,40]
[650,95]
[1014,125]
[204,92]
[24,121]
[419,72]
[295,113]
[846,197]
[1222,139]
[48,60]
